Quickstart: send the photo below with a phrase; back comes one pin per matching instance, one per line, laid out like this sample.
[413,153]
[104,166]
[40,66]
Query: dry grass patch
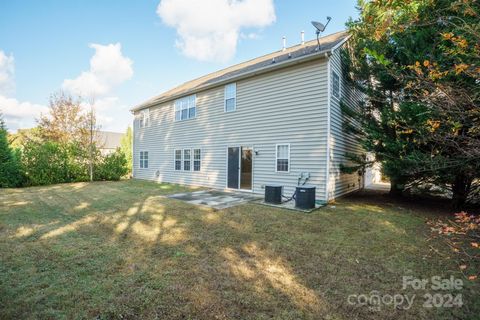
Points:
[112,250]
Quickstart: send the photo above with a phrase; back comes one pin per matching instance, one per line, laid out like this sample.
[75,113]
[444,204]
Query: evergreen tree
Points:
[417,61]
[10,169]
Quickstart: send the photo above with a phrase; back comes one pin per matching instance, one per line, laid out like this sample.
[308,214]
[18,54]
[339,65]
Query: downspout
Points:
[327,170]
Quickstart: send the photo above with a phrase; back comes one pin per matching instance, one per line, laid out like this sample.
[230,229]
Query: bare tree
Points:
[92,135]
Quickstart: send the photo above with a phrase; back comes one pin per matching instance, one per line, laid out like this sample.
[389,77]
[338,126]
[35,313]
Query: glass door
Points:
[233,166]
[246,168]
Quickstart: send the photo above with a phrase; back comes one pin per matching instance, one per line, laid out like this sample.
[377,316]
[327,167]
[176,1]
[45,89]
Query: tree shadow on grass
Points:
[127,251]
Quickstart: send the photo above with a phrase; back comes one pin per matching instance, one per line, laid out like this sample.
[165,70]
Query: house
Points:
[108,141]
[275,119]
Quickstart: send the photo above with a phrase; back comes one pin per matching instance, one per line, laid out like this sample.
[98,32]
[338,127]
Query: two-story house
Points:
[275,119]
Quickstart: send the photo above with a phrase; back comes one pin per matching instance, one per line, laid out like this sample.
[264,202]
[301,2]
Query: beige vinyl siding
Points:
[340,141]
[284,106]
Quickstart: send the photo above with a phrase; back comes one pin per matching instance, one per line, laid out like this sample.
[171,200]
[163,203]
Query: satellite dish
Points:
[320,28]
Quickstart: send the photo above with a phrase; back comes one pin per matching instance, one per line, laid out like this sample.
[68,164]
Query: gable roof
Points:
[264,63]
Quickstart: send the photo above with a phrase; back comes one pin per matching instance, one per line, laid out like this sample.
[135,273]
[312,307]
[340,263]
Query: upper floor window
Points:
[230,97]
[335,85]
[144,118]
[185,108]
[143,159]
[282,157]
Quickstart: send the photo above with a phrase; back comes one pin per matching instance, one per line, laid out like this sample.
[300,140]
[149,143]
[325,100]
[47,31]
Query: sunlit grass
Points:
[124,250]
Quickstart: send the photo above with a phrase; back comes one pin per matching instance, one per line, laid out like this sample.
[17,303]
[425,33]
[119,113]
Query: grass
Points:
[123,250]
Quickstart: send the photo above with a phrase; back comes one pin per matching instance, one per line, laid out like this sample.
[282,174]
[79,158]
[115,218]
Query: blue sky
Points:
[123,52]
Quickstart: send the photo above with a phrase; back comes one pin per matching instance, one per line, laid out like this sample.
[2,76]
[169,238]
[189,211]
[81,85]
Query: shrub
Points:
[112,167]
[45,163]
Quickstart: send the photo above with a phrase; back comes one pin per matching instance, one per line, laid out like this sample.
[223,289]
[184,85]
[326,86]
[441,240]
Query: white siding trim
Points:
[327,170]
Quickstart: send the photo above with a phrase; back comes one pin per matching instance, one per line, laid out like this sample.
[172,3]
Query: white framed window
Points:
[187,159]
[282,159]
[185,108]
[336,85]
[230,97]
[197,159]
[143,159]
[178,159]
[144,118]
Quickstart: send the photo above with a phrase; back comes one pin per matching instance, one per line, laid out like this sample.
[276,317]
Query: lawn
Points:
[123,250]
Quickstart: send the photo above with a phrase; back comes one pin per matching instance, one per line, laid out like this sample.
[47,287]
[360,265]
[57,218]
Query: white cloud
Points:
[104,108]
[7,69]
[250,36]
[208,30]
[20,114]
[16,114]
[108,68]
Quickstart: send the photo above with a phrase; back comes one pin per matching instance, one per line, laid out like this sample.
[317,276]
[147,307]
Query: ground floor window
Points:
[186,159]
[197,159]
[143,159]
[178,160]
[283,157]
[183,159]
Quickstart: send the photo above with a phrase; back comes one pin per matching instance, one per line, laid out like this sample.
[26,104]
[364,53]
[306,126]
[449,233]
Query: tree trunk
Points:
[396,187]
[461,188]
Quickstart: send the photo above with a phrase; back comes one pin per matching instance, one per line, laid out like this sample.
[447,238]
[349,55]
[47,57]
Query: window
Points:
[143,159]
[145,118]
[230,97]
[283,158]
[186,159]
[178,160]
[185,108]
[197,159]
[335,85]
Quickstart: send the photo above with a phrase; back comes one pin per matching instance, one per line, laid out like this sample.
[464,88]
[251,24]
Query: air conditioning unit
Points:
[305,197]
[273,194]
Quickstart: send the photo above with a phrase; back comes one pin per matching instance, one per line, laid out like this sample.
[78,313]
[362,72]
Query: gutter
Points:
[272,67]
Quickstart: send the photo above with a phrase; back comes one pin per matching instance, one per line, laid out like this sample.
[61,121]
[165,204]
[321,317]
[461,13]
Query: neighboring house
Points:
[108,141]
[275,119]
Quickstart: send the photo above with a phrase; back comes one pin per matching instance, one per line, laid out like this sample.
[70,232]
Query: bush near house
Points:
[45,163]
[61,149]
[112,167]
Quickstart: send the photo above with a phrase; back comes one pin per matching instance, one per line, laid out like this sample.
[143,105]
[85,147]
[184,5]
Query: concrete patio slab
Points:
[290,205]
[216,199]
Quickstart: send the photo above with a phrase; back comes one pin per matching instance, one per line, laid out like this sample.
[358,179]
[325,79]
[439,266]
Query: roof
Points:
[279,58]
[108,139]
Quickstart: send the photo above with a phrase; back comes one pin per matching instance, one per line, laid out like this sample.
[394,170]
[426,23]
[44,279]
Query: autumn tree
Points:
[72,124]
[65,122]
[417,61]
